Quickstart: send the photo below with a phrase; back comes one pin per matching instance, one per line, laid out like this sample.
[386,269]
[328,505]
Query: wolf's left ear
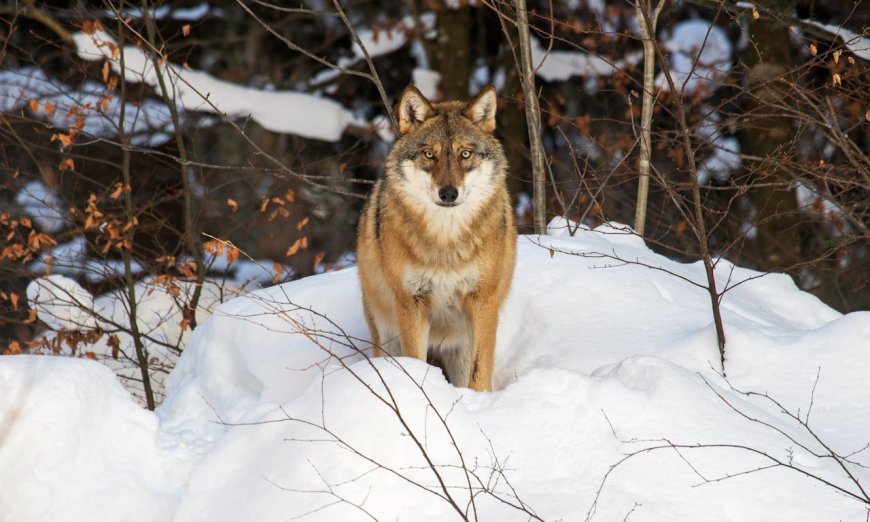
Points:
[481,109]
[414,109]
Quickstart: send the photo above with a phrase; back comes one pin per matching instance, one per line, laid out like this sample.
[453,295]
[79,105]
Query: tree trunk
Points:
[513,125]
[768,134]
[452,51]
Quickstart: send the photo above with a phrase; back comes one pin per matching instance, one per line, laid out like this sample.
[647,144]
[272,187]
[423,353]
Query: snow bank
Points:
[75,447]
[65,306]
[278,414]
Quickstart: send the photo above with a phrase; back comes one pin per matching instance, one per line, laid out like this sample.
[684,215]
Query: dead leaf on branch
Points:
[279,271]
[114,343]
[91,26]
[299,244]
[13,348]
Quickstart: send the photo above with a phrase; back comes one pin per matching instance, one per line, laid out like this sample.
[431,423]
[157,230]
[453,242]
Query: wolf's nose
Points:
[448,194]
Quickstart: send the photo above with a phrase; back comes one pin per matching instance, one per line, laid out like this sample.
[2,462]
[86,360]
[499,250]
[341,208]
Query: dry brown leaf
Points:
[301,224]
[119,189]
[34,105]
[813,49]
[185,29]
[13,348]
[837,54]
[91,26]
[318,259]
[233,205]
[836,80]
[49,109]
[67,164]
[114,343]
[106,71]
[299,244]
[755,15]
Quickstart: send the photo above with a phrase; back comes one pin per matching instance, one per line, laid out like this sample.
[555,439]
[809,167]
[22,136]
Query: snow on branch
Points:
[278,111]
[860,46]
[561,65]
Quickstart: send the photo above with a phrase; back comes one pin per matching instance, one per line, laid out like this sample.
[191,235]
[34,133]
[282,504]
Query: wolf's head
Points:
[446,155]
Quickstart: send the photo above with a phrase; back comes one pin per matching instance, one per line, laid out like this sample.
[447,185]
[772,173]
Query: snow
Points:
[272,414]
[189,14]
[41,203]
[279,111]
[62,303]
[65,258]
[65,306]
[426,80]
[721,163]
[857,44]
[561,65]
[146,123]
[699,40]
[76,447]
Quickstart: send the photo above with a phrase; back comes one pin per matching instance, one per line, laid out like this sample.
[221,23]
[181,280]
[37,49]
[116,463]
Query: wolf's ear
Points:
[481,109]
[414,109]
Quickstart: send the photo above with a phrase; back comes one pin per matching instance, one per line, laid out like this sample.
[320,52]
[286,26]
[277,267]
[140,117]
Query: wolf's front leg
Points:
[483,316]
[413,317]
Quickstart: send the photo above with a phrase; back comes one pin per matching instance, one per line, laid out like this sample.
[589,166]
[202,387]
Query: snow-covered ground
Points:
[272,414]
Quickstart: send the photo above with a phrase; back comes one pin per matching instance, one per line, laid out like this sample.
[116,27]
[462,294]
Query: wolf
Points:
[437,240]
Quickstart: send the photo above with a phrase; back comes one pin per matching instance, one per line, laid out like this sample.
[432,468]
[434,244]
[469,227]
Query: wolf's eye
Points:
[429,154]
[465,154]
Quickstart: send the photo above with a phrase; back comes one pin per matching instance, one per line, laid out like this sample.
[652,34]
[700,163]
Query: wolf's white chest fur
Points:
[444,291]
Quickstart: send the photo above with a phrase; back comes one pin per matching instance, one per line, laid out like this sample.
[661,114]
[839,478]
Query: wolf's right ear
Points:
[481,109]
[414,109]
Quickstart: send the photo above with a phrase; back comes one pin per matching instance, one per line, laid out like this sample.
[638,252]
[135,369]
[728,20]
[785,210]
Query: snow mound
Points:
[606,354]
[75,446]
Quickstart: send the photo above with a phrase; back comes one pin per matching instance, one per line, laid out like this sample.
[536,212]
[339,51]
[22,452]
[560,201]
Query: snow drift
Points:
[274,411]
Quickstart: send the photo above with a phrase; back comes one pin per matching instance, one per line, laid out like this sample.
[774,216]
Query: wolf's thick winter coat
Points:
[437,240]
